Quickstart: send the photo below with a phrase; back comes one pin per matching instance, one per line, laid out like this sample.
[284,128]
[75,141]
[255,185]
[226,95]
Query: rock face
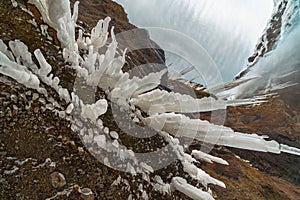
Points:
[32,138]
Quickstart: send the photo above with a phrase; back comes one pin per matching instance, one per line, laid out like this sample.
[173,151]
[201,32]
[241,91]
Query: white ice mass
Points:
[161,110]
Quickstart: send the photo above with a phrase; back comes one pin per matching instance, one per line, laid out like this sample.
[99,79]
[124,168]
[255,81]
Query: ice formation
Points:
[161,109]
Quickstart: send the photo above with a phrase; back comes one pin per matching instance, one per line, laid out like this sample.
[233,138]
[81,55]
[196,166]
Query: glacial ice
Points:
[282,59]
[17,71]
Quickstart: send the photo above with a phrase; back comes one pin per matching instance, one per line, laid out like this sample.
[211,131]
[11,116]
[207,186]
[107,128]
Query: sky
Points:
[227,29]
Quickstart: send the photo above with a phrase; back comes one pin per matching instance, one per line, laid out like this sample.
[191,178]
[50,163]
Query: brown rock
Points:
[58,180]
[87,194]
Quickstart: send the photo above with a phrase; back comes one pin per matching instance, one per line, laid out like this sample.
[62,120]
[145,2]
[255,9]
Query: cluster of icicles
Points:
[105,71]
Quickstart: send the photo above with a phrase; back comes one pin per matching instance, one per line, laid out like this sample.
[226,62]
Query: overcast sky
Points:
[227,29]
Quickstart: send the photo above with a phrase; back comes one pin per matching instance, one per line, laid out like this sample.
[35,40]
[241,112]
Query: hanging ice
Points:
[181,185]
[15,70]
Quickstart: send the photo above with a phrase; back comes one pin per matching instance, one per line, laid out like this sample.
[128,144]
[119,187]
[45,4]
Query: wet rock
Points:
[35,96]
[52,166]
[80,150]
[36,110]
[58,180]
[14,98]
[86,194]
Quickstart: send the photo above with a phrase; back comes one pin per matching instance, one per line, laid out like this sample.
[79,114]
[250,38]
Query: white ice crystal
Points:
[18,72]
[99,36]
[92,112]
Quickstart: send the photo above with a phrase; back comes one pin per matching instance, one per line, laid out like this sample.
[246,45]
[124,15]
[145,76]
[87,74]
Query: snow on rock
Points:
[14,3]
[114,135]
[70,108]
[160,186]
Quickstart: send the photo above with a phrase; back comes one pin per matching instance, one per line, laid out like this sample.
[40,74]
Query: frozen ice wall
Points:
[227,29]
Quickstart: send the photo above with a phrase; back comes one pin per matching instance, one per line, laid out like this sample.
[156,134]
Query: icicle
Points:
[158,101]
[126,88]
[45,67]
[20,50]
[105,71]
[290,150]
[181,185]
[208,158]
[3,49]
[18,72]
[200,175]
[178,75]
[182,126]
[99,34]
[57,14]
